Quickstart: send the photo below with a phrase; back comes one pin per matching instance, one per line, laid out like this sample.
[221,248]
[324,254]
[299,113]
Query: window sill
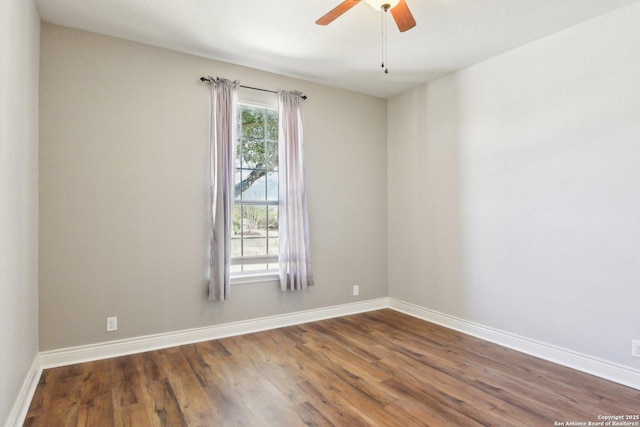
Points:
[255,278]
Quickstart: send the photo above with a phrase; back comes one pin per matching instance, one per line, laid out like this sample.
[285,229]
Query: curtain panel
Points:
[294,255]
[222,149]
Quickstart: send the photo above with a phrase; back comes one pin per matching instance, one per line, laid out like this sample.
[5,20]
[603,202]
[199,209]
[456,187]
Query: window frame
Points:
[265,102]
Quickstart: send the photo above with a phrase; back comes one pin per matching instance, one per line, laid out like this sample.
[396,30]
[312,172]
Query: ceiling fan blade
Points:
[337,11]
[403,17]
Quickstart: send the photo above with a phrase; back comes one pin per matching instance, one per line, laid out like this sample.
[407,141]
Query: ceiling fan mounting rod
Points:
[383,5]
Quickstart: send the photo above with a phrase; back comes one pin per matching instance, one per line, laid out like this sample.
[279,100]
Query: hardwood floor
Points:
[380,368]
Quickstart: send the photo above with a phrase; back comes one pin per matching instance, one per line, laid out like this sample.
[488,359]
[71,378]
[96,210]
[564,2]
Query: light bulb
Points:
[380,4]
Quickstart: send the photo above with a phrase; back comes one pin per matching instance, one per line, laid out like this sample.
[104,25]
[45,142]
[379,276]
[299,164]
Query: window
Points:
[254,238]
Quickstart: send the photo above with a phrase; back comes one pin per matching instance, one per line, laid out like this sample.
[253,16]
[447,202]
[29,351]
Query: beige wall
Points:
[19,52]
[123,167]
[514,195]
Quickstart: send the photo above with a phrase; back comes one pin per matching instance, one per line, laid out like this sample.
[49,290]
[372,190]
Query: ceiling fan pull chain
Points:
[386,43]
[382,38]
[385,10]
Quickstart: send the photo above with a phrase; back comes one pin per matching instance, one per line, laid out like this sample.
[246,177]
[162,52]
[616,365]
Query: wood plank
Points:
[375,368]
[193,400]
[164,404]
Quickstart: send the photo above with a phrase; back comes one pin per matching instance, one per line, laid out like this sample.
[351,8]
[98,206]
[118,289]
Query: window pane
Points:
[255,220]
[238,154]
[236,247]
[237,221]
[252,184]
[251,153]
[252,122]
[273,246]
[272,221]
[272,125]
[271,155]
[254,246]
[272,186]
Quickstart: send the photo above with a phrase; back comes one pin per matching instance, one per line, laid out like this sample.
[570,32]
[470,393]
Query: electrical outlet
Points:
[356,290]
[635,348]
[112,324]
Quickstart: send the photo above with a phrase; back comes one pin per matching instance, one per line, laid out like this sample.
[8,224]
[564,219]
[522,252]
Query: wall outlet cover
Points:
[112,324]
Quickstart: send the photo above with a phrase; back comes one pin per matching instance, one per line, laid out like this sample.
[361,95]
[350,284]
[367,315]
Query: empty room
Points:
[320,212]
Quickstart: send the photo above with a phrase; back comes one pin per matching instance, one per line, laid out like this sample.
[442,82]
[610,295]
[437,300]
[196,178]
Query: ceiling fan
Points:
[398,8]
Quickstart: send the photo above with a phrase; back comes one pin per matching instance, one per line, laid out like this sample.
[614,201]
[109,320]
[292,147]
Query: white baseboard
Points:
[23,400]
[91,352]
[581,362]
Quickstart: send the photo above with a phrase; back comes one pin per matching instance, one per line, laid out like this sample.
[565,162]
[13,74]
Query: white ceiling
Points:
[281,35]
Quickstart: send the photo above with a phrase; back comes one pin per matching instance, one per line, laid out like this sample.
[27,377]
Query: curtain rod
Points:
[204,79]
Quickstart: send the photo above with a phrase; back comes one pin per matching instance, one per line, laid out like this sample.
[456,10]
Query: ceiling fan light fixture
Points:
[383,4]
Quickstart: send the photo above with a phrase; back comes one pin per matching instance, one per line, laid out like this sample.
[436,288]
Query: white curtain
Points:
[224,99]
[293,224]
